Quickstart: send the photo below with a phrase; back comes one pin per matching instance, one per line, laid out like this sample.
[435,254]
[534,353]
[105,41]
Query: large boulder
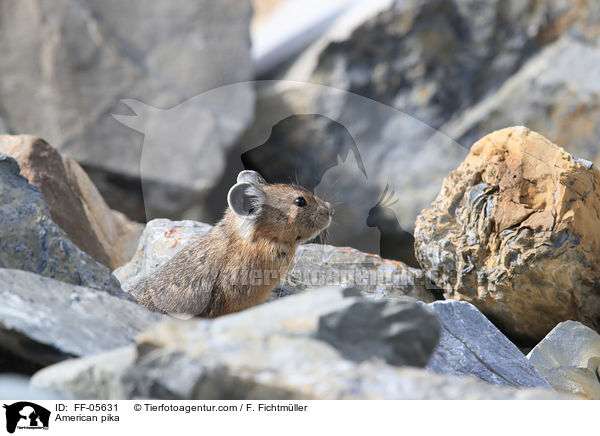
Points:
[73,201]
[83,58]
[311,346]
[45,321]
[313,265]
[556,93]
[30,240]
[569,358]
[514,231]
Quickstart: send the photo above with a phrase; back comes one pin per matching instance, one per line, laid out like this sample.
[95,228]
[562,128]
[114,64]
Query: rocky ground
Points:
[342,324]
[463,259]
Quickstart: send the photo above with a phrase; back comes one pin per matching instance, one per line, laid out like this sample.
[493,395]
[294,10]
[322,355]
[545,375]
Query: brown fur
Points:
[240,261]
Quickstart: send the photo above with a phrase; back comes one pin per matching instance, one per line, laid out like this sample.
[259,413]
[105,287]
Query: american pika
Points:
[240,261]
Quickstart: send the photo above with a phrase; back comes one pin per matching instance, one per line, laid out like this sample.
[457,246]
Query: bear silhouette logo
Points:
[26,415]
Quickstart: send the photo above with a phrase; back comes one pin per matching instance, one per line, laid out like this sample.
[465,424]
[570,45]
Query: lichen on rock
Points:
[514,231]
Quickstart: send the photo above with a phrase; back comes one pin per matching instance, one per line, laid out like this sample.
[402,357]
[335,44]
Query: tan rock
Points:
[74,202]
[515,231]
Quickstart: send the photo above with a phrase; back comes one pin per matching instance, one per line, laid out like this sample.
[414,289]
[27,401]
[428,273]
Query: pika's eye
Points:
[300,202]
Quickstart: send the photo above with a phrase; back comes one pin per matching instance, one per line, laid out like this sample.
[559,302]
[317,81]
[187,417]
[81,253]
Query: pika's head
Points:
[281,213]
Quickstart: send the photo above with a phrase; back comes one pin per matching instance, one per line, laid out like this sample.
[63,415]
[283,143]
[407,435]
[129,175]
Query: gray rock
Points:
[93,377]
[98,378]
[45,320]
[471,345]
[569,358]
[318,265]
[267,352]
[397,331]
[14,386]
[99,61]
[31,241]
[73,201]
[176,180]
[160,240]
[424,57]
[314,264]
[555,93]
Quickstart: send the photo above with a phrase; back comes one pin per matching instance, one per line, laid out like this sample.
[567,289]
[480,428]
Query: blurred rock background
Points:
[408,87]
[461,67]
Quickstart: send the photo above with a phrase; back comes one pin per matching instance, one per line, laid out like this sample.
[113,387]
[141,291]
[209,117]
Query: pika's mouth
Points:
[316,233]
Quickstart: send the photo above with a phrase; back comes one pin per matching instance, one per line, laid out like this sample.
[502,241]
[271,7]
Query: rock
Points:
[514,231]
[45,320]
[31,241]
[281,356]
[73,201]
[396,331]
[160,241]
[280,33]
[569,358]
[14,386]
[14,364]
[471,345]
[93,377]
[99,61]
[176,181]
[318,265]
[313,265]
[98,378]
[555,94]
[422,56]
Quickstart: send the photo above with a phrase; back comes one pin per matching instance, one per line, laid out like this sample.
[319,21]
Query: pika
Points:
[242,258]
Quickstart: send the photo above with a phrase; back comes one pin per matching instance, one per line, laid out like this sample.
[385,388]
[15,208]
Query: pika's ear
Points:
[249,176]
[246,200]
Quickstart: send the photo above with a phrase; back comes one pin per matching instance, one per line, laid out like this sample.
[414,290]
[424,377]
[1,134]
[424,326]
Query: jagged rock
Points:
[202,46]
[313,265]
[31,241]
[569,358]
[514,231]
[556,94]
[471,345]
[318,265]
[45,320]
[271,352]
[74,203]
